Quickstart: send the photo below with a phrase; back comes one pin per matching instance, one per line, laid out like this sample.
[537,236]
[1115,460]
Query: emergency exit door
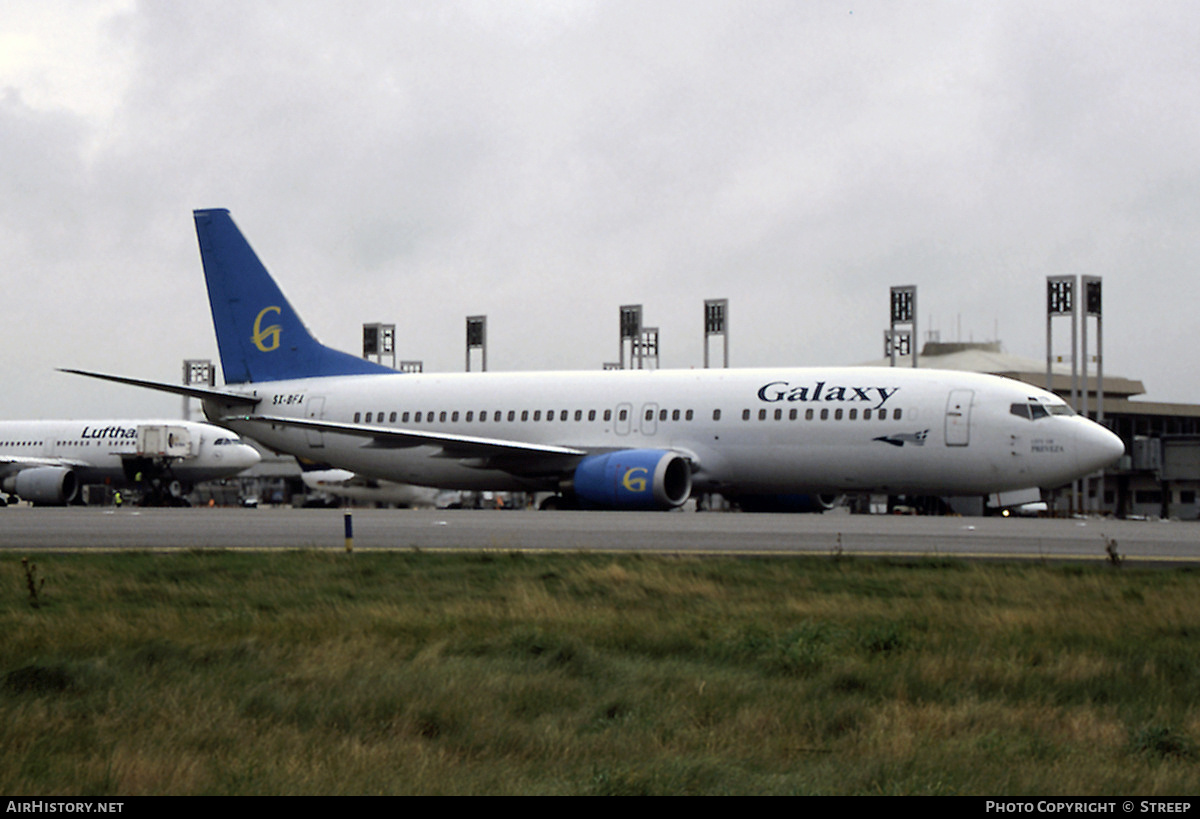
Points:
[958,417]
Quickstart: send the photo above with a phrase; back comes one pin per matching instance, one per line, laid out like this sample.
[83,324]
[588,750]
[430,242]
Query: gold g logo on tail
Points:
[635,484]
[266,338]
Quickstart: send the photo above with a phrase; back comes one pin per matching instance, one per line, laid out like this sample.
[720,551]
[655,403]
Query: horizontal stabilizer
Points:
[231,399]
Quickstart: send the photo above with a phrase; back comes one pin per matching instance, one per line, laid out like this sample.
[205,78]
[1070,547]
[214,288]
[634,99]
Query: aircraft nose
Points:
[247,456]
[1096,447]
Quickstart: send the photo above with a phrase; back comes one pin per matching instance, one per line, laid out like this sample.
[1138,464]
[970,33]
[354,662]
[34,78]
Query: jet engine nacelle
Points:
[634,479]
[787,503]
[52,485]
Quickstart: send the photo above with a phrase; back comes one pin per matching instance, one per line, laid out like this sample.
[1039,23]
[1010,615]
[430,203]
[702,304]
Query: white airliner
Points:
[46,462]
[341,483]
[624,439]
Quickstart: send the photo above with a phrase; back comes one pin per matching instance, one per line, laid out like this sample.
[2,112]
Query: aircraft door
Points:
[958,417]
[315,411]
[623,420]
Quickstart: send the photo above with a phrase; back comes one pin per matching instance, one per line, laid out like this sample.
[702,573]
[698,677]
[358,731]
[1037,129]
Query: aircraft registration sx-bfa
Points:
[46,462]
[628,439]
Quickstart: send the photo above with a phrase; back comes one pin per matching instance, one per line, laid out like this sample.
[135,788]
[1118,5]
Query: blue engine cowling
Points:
[633,479]
[786,503]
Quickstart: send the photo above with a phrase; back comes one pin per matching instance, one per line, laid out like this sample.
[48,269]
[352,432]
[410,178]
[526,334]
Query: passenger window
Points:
[591,415]
[662,415]
[524,415]
[853,414]
[688,415]
[837,414]
[470,416]
[716,415]
[866,415]
[624,415]
[883,415]
[608,415]
[404,418]
[824,415]
[896,414]
[778,415]
[793,414]
[367,420]
[537,415]
[442,416]
[649,415]
[745,415]
[808,414]
[357,417]
[578,415]
[674,415]
[512,415]
[562,416]
[392,418]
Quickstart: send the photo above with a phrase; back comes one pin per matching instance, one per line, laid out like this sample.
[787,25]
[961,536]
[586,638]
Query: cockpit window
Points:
[1033,409]
[226,442]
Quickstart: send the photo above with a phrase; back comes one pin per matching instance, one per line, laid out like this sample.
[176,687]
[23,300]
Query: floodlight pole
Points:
[716,323]
[197,372]
[379,341]
[631,331]
[1060,301]
[903,311]
[1093,308]
[477,339]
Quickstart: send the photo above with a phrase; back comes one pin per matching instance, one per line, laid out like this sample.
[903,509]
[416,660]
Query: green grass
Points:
[327,673]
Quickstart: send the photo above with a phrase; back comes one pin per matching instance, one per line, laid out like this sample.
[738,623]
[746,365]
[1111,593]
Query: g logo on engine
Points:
[635,484]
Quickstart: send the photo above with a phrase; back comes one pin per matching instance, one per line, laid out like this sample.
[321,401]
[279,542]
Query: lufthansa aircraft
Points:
[46,462]
[629,439]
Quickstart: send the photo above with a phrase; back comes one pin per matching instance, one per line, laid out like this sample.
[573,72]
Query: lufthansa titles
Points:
[109,433]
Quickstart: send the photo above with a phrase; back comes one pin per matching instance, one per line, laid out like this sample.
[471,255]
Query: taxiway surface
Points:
[23,528]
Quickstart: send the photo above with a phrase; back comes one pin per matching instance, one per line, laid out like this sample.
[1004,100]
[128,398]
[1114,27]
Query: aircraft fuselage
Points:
[752,431]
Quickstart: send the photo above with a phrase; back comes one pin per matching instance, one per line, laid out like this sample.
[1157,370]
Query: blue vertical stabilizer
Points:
[260,336]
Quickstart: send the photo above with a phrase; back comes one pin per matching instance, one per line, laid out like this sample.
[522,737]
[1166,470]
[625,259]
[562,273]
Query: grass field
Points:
[423,673]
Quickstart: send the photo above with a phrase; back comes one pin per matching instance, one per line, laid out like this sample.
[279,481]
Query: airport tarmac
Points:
[24,528]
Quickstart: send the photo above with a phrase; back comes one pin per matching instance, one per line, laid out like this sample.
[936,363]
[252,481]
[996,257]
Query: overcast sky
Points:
[545,162]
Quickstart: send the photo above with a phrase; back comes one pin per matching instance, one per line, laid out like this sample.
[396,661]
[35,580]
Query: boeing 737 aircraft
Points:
[626,439]
[46,462]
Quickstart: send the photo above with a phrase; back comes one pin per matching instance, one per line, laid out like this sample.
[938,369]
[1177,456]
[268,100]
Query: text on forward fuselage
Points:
[776,391]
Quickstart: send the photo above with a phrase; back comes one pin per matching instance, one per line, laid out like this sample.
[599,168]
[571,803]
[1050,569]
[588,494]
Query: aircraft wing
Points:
[453,446]
[231,399]
[13,464]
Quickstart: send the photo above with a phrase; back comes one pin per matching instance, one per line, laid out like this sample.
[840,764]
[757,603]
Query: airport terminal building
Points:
[1159,475]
